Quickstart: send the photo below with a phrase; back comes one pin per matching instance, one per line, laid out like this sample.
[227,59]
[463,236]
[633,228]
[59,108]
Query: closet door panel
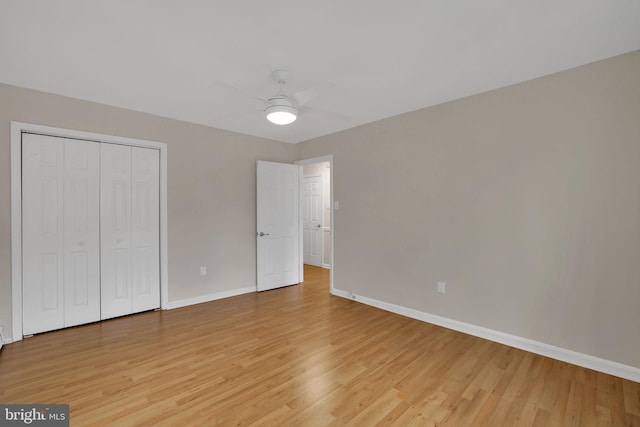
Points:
[115,230]
[145,234]
[42,234]
[81,232]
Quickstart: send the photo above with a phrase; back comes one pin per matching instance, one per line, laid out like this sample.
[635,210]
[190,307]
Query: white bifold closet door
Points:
[60,232]
[129,228]
[90,231]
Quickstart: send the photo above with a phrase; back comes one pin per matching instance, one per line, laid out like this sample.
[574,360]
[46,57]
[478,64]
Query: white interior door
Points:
[61,273]
[42,233]
[312,204]
[145,236]
[81,232]
[115,230]
[130,229]
[278,227]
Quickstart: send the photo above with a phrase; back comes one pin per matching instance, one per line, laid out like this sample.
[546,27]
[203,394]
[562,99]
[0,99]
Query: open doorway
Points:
[316,212]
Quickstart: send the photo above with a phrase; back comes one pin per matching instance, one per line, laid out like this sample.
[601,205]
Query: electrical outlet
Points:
[441,287]
[203,271]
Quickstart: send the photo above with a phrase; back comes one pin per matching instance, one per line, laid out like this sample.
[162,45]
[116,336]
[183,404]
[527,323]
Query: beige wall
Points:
[211,188]
[524,200]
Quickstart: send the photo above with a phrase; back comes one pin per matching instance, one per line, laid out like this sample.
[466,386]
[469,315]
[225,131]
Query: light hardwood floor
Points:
[298,356]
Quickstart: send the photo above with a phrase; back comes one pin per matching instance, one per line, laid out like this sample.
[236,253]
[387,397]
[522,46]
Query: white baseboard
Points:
[210,297]
[3,340]
[558,353]
[176,304]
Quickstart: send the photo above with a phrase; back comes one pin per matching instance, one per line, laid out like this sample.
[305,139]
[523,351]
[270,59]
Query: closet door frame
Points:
[17,128]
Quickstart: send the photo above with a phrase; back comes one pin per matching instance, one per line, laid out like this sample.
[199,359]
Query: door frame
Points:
[17,128]
[320,159]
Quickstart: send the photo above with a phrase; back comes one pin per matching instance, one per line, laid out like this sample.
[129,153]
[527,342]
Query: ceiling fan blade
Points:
[233,115]
[305,95]
[242,91]
[331,114]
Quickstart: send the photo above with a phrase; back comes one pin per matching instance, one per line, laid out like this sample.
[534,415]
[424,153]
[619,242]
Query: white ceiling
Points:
[383,57]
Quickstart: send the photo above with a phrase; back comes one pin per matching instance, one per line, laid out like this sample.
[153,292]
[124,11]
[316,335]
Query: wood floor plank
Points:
[298,356]
[631,393]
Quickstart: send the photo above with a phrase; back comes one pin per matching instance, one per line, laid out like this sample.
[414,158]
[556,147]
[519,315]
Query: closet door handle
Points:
[118,240]
[82,243]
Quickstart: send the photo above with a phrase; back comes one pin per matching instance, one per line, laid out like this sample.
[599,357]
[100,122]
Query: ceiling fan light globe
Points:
[281,117]
[281,114]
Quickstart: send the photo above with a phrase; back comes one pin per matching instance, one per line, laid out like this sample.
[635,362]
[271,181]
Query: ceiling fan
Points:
[283,108]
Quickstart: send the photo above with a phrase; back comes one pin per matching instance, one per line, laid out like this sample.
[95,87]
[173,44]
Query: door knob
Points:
[264,234]
[82,243]
[318,226]
[118,240]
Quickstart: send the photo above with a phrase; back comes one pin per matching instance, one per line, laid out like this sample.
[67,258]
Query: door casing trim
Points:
[17,128]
